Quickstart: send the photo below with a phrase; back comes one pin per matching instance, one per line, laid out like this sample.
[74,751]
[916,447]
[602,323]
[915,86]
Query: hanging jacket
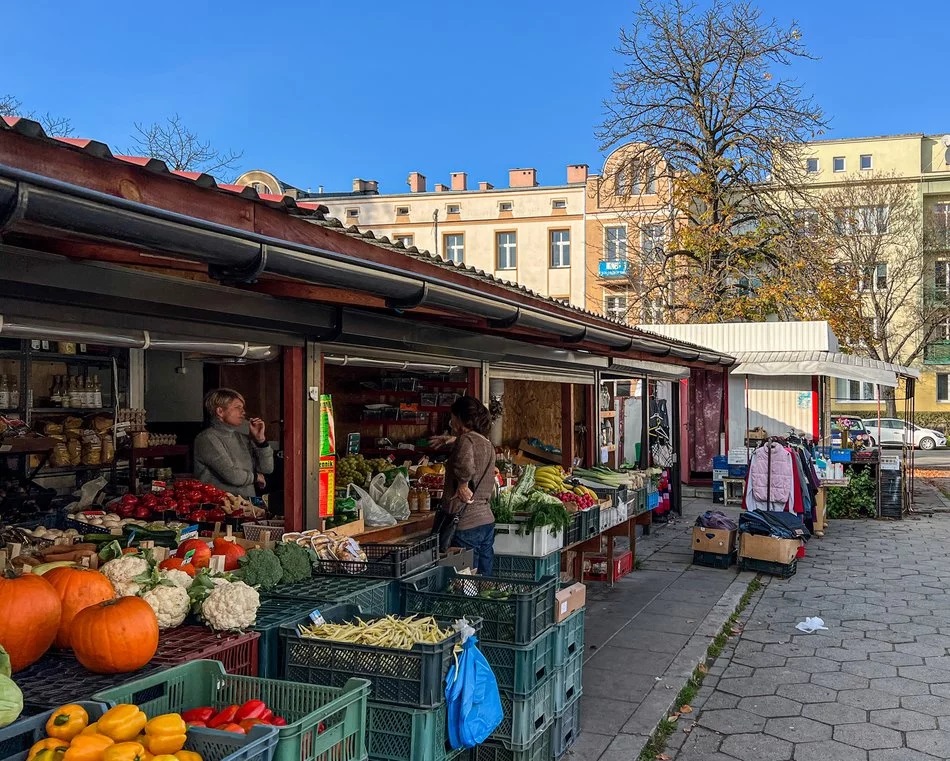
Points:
[770,474]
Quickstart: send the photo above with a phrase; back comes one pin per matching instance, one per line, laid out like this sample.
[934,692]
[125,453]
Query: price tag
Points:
[189,532]
[317,619]
[188,556]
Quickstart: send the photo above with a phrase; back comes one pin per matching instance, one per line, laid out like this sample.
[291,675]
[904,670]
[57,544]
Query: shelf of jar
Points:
[70,410]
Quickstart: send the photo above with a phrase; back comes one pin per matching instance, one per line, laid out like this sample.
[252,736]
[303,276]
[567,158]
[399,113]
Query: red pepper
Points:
[267,716]
[278,721]
[198,714]
[321,728]
[247,724]
[252,709]
[223,717]
[231,727]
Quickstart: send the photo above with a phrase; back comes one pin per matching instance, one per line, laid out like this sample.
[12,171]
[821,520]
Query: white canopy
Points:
[833,364]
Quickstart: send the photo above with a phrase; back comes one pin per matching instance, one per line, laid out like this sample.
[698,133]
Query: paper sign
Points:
[317,618]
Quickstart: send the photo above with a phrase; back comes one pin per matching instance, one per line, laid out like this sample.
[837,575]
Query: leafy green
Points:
[856,500]
[294,562]
[262,569]
[545,510]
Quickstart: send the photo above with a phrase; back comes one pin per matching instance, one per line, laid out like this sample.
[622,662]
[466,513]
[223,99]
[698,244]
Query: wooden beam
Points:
[294,436]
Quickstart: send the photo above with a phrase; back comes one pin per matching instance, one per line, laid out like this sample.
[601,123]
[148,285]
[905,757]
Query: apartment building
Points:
[920,163]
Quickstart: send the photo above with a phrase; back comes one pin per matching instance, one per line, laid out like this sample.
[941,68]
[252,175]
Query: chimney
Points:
[522,178]
[417,182]
[365,186]
[459,181]
[576,173]
[485,186]
[440,188]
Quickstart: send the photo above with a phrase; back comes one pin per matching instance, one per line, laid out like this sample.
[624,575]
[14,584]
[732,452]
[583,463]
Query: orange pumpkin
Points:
[115,636]
[30,611]
[177,564]
[202,552]
[232,552]
[78,588]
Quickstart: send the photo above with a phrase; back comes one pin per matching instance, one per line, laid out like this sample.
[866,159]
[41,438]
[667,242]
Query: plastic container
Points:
[270,616]
[575,532]
[539,543]
[568,683]
[401,733]
[494,750]
[713,559]
[782,570]
[386,561]
[526,717]
[590,524]
[519,669]
[623,564]
[527,567]
[566,728]
[414,678]
[17,738]
[568,638]
[375,597]
[340,711]
[238,653]
[254,532]
[512,611]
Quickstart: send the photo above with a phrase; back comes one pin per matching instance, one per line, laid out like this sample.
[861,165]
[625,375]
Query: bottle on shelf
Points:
[14,393]
[87,392]
[4,393]
[55,393]
[97,392]
[75,392]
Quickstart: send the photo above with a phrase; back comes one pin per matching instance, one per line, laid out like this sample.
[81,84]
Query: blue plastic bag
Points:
[472,699]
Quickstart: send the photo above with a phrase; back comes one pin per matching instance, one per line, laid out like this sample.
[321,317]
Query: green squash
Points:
[11,698]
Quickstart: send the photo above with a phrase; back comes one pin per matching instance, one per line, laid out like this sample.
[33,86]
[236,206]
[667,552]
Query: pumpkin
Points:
[177,564]
[115,636]
[30,611]
[231,551]
[78,588]
[202,552]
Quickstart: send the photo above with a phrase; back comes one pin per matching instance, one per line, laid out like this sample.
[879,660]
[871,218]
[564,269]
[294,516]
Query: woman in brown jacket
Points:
[470,481]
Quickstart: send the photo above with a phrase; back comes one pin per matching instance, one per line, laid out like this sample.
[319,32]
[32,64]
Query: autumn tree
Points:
[56,126]
[708,90]
[182,149]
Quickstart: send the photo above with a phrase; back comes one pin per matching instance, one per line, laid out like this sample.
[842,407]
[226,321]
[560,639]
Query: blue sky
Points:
[320,92]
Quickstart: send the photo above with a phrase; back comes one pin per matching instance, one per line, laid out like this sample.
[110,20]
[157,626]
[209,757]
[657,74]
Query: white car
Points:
[894,432]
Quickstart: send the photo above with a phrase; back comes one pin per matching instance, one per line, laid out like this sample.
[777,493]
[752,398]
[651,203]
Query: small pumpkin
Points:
[201,552]
[115,636]
[30,612]
[232,552]
[177,564]
[78,588]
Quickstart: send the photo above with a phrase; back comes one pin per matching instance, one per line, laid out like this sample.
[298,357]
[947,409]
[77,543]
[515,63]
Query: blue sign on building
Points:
[617,268]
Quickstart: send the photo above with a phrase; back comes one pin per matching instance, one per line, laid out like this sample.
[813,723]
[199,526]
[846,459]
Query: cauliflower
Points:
[170,603]
[178,578]
[231,606]
[129,574]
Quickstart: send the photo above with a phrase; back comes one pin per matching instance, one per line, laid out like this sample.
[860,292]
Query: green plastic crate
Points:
[340,711]
[527,567]
[519,669]
[274,612]
[569,638]
[566,728]
[525,717]
[494,750]
[568,683]
[590,525]
[400,733]
[375,597]
[512,611]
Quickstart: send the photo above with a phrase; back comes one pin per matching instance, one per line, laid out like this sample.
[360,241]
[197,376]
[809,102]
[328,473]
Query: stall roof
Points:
[833,364]
[75,196]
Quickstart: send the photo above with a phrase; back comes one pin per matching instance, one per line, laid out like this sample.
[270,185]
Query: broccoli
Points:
[295,562]
[261,569]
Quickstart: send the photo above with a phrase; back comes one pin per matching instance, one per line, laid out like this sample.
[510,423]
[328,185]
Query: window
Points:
[615,305]
[506,251]
[855,391]
[406,240]
[352,213]
[812,166]
[262,188]
[620,182]
[941,279]
[558,203]
[654,311]
[942,330]
[453,208]
[865,162]
[454,247]
[560,248]
[837,164]
[807,220]
[941,225]
[943,387]
[505,206]
[615,244]
[651,244]
[402,211]
[651,180]
[873,278]
[863,220]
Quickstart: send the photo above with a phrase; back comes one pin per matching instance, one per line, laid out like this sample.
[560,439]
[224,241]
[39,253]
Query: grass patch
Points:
[665,729]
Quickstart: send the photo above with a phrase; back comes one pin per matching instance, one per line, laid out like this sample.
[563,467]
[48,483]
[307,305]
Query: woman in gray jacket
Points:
[232,453]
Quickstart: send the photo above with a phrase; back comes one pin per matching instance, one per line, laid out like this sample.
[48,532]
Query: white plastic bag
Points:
[396,498]
[87,494]
[373,514]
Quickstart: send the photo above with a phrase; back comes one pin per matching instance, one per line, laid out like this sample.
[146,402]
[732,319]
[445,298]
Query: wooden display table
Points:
[821,517]
[419,524]
[594,544]
[732,491]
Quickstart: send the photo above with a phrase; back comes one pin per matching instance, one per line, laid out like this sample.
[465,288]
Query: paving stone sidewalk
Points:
[874,687]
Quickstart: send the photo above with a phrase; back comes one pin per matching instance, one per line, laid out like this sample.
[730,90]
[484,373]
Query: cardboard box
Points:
[458,558]
[716,540]
[768,548]
[569,599]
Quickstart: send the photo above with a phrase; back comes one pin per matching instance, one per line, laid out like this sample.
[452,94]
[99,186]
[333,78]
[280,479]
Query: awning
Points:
[832,364]
[640,368]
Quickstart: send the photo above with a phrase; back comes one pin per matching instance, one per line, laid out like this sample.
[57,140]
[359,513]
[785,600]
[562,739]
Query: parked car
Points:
[894,432]
[857,432]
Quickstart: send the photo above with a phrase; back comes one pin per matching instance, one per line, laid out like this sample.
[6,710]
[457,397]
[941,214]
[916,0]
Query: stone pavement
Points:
[874,687]
[645,636]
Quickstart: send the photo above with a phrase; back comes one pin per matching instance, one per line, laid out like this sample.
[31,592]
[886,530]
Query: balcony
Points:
[937,353]
[612,268]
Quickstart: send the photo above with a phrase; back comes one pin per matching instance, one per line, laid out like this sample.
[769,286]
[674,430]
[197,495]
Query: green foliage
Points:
[857,500]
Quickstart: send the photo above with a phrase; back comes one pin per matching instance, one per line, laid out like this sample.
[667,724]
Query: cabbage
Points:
[11,699]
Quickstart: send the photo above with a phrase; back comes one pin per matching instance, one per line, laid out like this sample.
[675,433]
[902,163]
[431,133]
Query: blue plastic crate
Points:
[720,462]
[653,500]
[738,471]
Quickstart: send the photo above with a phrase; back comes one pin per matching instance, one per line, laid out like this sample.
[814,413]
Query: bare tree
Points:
[704,89]
[56,126]
[183,150]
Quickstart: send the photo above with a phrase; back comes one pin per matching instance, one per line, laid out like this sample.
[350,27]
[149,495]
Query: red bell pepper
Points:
[278,721]
[223,717]
[267,716]
[252,709]
[247,724]
[198,714]
[231,727]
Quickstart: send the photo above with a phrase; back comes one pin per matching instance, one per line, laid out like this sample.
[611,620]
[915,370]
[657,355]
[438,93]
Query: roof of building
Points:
[830,363]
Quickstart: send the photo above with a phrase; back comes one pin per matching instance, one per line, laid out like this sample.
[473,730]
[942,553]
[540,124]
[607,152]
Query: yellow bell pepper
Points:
[67,721]
[165,734]
[92,729]
[188,755]
[125,751]
[49,754]
[88,748]
[165,757]
[122,723]
[49,743]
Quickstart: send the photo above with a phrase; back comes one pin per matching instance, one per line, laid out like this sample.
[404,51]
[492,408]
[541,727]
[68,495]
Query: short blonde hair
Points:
[220,397]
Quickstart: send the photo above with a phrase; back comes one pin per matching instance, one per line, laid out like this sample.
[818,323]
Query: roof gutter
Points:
[29,200]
